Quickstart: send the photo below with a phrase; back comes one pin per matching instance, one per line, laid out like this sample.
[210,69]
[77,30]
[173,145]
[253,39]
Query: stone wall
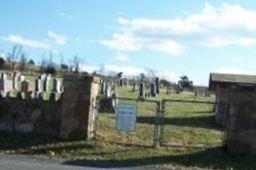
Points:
[241,124]
[30,115]
[49,105]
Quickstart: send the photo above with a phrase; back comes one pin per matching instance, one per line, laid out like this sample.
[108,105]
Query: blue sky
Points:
[170,37]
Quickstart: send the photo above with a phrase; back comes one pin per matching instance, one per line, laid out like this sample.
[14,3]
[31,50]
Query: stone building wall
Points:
[241,125]
[222,99]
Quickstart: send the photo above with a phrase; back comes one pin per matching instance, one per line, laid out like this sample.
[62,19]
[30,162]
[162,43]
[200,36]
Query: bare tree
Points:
[23,61]
[43,65]
[151,74]
[102,69]
[76,64]
[14,55]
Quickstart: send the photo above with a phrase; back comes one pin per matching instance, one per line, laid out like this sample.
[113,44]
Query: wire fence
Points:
[174,123]
[187,123]
[147,120]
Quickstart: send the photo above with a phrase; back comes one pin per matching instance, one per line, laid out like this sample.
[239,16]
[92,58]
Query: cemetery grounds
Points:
[191,139]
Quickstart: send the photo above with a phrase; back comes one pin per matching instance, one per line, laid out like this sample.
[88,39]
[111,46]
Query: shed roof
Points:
[232,79]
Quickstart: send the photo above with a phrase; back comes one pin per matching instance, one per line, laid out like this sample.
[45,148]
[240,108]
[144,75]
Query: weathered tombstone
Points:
[134,86]
[157,85]
[43,76]
[141,90]
[107,92]
[32,86]
[147,95]
[153,89]
[57,86]
[39,85]
[16,80]
[114,100]
[3,76]
[24,86]
[102,87]
[5,85]
[121,82]
[22,78]
[48,84]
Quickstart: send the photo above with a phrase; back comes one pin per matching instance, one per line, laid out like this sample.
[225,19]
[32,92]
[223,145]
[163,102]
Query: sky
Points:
[173,38]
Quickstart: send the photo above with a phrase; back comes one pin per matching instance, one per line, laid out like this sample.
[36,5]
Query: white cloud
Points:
[58,38]
[16,39]
[89,68]
[132,71]
[121,57]
[47,43]
[232,70]
[123,42]
[65,15]
[214,26]
[168,75]
[127,70]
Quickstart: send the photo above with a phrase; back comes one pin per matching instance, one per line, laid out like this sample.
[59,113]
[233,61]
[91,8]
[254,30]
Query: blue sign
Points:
[126,117]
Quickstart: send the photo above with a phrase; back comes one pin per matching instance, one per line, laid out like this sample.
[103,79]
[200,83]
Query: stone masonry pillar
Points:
[78,106]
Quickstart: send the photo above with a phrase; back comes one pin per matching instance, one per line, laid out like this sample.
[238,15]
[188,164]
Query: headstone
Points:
[102,87]
[153,89]
[47,84]
[134,86]
[3,76]
[157,85]
[39,85]
[141,90]
[43,76]
[16,80]
[107,90]
[32,87]
[22,78]
[57,86]
[24,86]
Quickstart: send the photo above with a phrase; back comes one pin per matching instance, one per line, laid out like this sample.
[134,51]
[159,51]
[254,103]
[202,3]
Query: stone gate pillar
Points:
[78,106]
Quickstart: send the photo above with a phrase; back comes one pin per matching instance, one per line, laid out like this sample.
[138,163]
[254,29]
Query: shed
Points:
[222,84]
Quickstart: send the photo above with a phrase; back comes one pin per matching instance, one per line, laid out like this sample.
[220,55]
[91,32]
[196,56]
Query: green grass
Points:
[192,140]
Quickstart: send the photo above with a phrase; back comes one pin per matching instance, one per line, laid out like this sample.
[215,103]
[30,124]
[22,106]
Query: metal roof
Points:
[239,79]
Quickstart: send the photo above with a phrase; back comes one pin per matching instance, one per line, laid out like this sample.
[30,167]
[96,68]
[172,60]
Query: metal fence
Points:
[147,129]
[186,123]
[175,123]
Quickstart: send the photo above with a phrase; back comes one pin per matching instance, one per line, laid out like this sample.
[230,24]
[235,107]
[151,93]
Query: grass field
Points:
[192,140]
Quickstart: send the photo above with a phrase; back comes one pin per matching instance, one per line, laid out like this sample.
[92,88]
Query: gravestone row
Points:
[19,83]
[153,89]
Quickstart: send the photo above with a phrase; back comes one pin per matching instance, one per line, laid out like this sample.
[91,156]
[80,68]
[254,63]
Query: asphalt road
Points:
[14,162]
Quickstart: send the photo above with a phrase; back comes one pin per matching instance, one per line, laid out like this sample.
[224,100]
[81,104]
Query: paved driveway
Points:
[13,162]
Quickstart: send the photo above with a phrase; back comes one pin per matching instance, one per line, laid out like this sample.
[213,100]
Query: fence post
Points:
[157,124]
[96,107]
[161,133]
